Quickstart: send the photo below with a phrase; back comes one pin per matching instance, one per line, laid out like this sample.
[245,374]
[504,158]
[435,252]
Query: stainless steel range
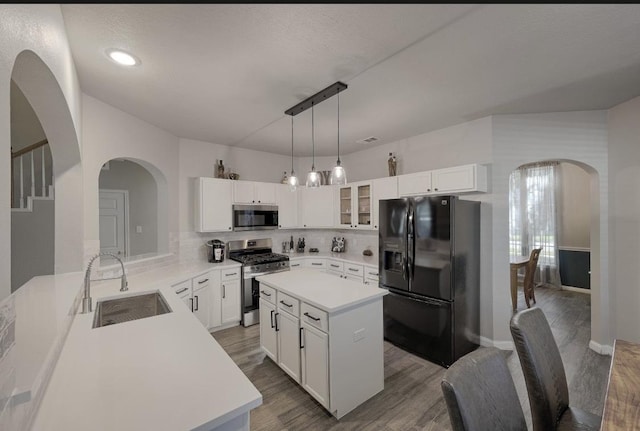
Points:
[257,259]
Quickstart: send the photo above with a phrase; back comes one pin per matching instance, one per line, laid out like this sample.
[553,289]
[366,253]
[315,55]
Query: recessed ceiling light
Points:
[368,140]
[123,58]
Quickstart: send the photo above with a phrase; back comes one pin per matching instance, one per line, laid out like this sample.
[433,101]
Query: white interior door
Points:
[113,221]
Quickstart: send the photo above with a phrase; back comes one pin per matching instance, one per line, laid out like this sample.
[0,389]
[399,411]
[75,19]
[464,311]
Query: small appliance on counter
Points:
[215,250]
[338,244]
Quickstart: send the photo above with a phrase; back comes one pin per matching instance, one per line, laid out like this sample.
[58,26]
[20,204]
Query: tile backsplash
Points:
[193,248]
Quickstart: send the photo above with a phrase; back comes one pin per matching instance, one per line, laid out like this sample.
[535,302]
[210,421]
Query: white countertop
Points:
[357,258]
[325,291]
[163,373]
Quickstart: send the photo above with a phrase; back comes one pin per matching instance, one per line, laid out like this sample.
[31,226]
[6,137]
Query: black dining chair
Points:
[480,394]
[544,375]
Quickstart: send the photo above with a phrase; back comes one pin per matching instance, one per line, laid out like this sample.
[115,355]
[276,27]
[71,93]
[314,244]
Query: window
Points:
[533,216]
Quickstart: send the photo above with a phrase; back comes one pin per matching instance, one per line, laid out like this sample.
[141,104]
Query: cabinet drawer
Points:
[371,273]
[182,288]
[288,303]
[335,266]
[294,264]
[357,278]
[314,316]
[230,274]
[351,269]
[267,293]
[201,281]
[316,263]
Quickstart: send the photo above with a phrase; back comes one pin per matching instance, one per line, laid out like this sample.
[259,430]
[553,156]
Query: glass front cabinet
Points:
[355,206]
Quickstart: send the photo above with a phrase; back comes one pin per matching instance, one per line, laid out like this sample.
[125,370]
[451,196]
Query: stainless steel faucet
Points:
[86,298]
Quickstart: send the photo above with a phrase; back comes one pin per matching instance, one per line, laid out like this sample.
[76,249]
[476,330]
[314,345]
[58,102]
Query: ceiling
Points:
[226,73]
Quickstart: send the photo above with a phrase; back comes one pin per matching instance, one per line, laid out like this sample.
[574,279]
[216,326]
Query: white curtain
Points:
[533,216]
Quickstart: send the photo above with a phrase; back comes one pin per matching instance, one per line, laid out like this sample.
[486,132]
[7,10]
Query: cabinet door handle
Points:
[311,317]
[316,263]
[184,289]
[272,325]
[229,275]
[224,291]
[196,297]
[265,293]
[301,338]
[276,318]
[285,304]
[353,269]
[203,281]
[335,266]
[191,299]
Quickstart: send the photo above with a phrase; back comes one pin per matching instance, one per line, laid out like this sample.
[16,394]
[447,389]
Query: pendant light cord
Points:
[313,142]
[292,172]
[338,127]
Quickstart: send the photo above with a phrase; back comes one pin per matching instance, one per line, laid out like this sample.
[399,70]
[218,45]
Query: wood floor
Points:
[412,398]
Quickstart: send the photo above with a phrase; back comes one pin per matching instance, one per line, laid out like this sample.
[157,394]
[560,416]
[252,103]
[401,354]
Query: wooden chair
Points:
[529,273]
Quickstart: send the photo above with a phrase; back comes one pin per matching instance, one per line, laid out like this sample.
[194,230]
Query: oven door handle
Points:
[250,276]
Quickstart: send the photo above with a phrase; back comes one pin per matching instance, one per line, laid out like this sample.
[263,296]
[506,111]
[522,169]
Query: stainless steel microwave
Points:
[255,217]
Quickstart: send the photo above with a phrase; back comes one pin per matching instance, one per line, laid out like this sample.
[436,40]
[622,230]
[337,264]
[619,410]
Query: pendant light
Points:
[293,180]
[313,178]
[338,175]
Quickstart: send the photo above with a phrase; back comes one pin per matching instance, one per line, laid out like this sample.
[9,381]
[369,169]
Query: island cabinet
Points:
[326,333]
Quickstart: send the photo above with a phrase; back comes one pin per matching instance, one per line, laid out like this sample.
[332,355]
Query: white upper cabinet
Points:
[354,205]
[316,207]
[212,212]
[287,202]
[468,178]
[459,179]
[383,188]
[414,184]
[253,192]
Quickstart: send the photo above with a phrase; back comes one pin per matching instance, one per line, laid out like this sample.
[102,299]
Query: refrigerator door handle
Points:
[410,245]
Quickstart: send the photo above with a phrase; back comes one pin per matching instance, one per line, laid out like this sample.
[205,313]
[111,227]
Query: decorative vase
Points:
[220,169]
[392,165]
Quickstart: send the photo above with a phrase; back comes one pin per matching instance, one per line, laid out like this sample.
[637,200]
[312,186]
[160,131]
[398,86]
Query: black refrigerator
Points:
[429,260]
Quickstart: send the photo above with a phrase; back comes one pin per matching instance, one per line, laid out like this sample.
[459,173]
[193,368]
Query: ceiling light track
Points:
[320,96]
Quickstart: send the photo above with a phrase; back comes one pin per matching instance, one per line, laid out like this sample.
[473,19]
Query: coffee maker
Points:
[215,250]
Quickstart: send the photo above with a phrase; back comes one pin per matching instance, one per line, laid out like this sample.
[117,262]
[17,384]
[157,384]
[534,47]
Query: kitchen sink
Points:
[119,310]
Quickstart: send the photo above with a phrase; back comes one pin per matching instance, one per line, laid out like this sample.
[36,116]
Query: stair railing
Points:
[28,152]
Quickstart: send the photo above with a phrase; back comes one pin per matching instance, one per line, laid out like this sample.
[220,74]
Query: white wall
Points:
[40,29]
[574,207]
[32,243]
[624,203]
[109,133]
[520,139]
[143,202]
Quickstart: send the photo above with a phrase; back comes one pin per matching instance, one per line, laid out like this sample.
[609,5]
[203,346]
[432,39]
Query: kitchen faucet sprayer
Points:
[86,298]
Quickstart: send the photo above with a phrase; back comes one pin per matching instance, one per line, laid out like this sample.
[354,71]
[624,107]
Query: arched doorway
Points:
[578,207]
[132,209]
[41,88]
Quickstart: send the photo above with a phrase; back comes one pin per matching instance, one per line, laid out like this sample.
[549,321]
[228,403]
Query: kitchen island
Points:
[164,372]
[326,333]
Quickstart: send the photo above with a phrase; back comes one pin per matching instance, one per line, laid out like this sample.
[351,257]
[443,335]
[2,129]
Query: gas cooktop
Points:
[259,258]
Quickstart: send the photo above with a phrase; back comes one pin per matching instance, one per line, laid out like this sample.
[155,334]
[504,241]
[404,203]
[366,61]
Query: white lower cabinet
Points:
[314,345]
[213,297]
[268,334]
[288,333]
[230,301]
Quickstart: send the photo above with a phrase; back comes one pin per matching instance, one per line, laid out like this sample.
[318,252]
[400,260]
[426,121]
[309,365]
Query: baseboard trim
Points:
[602,349]
[502,345]
[576,289]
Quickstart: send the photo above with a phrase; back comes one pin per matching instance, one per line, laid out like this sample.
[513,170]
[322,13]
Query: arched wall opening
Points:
[160,209]
[550,208]
[42,90]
